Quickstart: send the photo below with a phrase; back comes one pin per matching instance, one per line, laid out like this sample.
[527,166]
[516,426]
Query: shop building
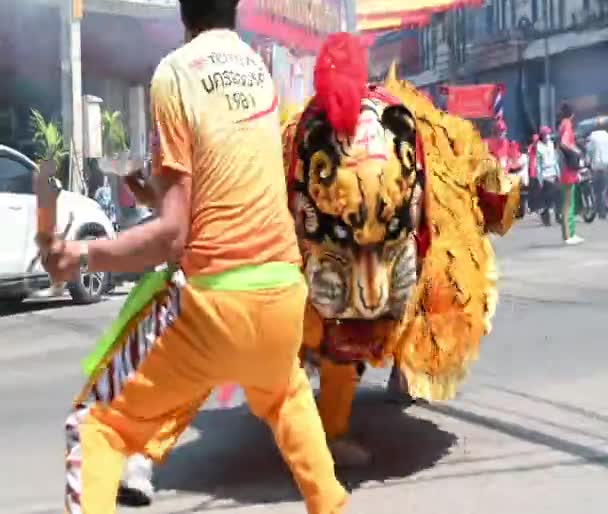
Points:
[54,52]
[288,34]
[524,45]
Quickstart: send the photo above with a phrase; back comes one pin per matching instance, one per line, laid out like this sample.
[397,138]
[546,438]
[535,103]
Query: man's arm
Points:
[143,191]
[161,240]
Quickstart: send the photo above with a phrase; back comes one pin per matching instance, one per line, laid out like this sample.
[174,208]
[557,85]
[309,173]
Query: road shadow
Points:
[10,308]
[585,453]
[235,458]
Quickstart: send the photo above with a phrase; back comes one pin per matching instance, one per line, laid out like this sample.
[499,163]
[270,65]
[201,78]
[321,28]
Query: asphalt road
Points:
[528,433]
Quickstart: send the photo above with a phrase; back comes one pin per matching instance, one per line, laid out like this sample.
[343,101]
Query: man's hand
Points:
[156,242]
[62,260]
[142,190]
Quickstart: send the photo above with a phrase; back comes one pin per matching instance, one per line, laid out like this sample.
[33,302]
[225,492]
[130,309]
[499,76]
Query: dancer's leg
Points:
[337,392]
[292,415]
[141,403]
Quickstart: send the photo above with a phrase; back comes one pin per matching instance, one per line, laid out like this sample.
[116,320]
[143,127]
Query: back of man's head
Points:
[199,15]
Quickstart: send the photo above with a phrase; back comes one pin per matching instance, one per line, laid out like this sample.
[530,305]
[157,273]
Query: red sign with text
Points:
[473,101]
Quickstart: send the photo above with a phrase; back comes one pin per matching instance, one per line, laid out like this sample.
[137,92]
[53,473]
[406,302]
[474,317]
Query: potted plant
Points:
[113,133]
[52,149]
[117,158]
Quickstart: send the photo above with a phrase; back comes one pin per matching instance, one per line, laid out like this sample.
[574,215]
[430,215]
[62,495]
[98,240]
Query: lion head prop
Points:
[392,201]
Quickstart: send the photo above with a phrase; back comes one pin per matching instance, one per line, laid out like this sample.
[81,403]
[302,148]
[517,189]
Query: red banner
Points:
[298,24]
[474,101]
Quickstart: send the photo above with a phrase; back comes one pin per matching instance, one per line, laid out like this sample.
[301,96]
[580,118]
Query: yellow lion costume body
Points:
[393,225]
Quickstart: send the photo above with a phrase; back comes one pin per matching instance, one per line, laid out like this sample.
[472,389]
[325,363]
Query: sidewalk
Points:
[538,266]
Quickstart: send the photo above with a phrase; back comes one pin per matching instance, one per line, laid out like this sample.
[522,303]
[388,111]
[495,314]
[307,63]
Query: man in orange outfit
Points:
[230,308]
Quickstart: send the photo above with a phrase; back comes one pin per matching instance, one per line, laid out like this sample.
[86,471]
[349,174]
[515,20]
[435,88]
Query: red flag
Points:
[473,101]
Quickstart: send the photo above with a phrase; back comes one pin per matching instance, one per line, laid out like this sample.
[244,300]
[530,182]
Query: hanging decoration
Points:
[376,15]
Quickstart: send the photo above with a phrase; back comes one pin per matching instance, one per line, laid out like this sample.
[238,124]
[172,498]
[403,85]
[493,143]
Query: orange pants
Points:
[187,343]
[336,395]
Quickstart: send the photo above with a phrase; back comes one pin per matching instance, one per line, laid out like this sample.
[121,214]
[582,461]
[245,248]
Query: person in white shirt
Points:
[597,155]
[547,163]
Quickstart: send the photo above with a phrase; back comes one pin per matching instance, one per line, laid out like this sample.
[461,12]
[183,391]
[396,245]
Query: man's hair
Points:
[209,14]
[566,111]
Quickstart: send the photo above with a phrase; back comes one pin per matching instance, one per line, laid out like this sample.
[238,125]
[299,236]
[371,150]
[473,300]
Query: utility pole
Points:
[549,108]
[350,11]
[451,40]
[71,91]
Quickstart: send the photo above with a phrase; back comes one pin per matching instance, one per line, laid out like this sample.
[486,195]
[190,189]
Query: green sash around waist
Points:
[247,278]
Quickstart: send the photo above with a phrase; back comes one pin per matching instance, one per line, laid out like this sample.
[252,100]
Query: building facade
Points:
[103,48]
[522,43]
[109,49]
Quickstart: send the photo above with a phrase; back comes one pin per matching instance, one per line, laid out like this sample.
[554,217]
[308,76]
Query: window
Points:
[513,14]
[434,44]
[535,13]
[490,19]
[15,177]
[562,14]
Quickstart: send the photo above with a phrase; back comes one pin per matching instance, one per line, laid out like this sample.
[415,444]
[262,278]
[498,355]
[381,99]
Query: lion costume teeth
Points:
[410,175]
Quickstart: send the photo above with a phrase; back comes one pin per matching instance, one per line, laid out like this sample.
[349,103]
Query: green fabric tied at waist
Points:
[271,275]
[247,278]
[150,285]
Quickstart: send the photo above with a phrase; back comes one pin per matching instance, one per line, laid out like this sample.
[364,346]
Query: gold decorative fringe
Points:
[456,295]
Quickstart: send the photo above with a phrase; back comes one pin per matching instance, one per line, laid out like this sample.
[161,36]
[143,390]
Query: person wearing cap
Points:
[547,168]
[520,166]
[572,157]
[534,186]
[499,146]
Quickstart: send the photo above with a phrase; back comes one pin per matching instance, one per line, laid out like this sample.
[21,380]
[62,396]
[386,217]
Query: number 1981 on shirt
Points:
[239,101]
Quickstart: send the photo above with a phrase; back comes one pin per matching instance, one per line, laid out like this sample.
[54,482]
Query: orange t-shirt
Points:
[215,112]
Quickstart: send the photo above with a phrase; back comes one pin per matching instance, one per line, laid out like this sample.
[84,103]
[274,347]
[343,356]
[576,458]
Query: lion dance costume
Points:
[393,200]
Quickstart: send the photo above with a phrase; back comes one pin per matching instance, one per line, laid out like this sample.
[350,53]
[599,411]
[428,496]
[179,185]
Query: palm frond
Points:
[51,143]
[113,132]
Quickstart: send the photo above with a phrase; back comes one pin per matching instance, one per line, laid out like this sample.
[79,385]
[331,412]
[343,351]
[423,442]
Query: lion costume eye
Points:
[321,166]
[340,232]
[393,225]
[406,154]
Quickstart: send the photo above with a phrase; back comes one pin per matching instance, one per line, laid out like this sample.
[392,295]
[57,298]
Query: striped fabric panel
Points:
[73,483]
[137,346]
[109,384]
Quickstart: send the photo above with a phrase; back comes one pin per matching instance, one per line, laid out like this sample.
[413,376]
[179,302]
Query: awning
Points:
[375,15]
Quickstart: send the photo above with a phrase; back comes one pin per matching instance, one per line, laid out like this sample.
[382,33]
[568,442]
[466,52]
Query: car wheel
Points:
[90,287]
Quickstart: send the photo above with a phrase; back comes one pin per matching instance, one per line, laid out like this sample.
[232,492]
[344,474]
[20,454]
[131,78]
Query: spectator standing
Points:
[533,186]
[597,155]
[547,167]
[572,157]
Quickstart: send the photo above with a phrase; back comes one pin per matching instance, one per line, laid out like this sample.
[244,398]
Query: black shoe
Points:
[398,390]
[545,217]
[131,497]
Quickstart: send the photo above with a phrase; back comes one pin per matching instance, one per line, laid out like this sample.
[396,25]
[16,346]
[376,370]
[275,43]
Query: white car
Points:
[18,250]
